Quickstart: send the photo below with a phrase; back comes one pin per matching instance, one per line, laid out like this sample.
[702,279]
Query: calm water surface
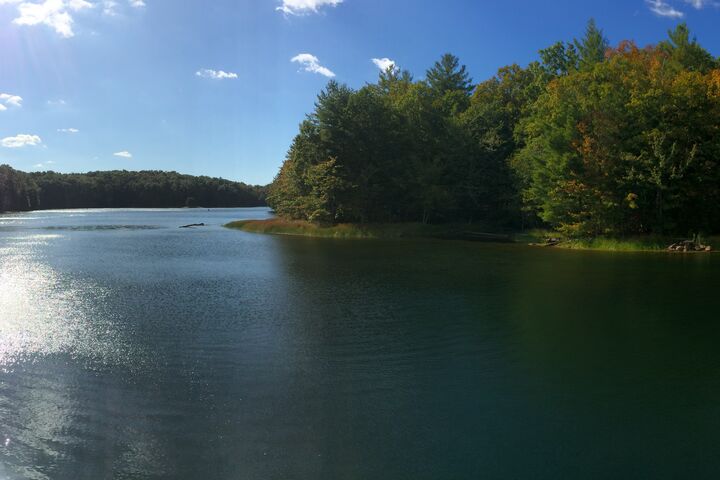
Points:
[130,348]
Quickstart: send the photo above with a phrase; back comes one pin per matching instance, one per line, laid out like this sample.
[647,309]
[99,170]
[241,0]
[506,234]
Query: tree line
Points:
[21,191]
[590,140]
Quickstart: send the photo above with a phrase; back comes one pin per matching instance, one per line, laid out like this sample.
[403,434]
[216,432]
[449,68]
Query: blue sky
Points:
[218,87]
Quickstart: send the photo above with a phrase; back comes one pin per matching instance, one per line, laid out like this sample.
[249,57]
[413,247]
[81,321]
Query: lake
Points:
[131,348]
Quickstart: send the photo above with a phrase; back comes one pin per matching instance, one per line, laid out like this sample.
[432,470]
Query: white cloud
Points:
[109,7]
[57,103]
[302,7]
[21,140]
[11,100]
[311,64]
[664,9]
[384,63]
[78,4]
[215,74]
[68,130]
[59,14]
[43,165]
[700,4]
[53,13]
[123,154]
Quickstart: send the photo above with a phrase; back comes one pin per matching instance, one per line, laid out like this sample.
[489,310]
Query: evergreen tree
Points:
[592,47]
[688,54]
[447,75]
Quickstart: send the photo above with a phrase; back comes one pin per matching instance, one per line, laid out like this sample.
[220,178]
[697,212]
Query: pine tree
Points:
[592,46]
[447,75]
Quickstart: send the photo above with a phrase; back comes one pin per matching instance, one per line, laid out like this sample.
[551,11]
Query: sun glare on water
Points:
[43,312]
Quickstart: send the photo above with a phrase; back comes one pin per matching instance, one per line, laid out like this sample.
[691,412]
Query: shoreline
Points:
[374,231]
[278,226]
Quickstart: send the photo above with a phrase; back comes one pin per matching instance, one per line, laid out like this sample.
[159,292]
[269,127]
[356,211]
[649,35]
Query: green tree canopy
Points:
[113,189]
[589,139]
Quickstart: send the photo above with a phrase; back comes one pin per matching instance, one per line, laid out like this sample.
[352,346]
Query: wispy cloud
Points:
[383,63]
[109,8]
[68,130]
[21,140]
[311,64]
[123,154]
[700,4]
[303,7]
[56,14]
[43,165]
[664,9]
[10,100]
[215,74]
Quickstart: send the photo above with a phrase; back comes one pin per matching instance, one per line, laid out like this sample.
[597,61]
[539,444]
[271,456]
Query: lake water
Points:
[130,348]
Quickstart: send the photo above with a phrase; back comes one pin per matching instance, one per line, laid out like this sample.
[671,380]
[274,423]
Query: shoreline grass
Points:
[635,243]
[279,226]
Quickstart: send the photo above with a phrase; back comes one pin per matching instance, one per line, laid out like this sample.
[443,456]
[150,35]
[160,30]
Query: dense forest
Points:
[120,189]
[590,139]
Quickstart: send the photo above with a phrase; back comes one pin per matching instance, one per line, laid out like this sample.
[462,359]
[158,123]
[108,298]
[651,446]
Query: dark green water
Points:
[130,348]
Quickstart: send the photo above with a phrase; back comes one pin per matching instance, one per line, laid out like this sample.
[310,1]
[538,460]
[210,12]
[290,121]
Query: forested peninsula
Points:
[20,191]
[590,140]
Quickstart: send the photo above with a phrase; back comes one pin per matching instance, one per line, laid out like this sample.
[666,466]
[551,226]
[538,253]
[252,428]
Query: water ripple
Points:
[45,312]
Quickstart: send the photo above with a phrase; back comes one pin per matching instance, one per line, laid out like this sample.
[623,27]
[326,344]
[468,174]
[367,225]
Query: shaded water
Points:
[130,348]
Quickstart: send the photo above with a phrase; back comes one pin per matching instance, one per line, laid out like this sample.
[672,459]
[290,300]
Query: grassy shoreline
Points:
[278,226]
[633,243]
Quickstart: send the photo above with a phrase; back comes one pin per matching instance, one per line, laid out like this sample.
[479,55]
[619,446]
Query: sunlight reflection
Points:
[43,312]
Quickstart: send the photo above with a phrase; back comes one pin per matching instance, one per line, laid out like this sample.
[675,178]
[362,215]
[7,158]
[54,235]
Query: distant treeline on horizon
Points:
[21,191]
[590,140]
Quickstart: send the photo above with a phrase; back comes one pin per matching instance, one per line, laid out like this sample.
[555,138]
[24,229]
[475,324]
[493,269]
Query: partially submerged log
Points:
[549,242]
[689,246]
[192,225]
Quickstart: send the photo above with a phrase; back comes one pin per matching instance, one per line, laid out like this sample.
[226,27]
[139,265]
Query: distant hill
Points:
[21,191]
